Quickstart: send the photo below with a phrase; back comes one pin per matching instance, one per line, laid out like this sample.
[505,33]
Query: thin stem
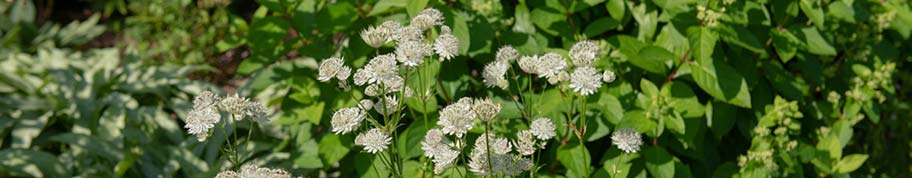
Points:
[616,162]
[488,148]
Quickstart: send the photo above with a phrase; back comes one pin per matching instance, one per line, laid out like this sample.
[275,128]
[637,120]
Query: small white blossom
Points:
[542,128]
[205,99]
[584,53]
[608,77]
[235,105]
[551,64]
[251,171]
[365,104]
[381,68]
[506,54]
[375,36]
[346,120]
[627,139]
[427,18]
[486,109]
[373,141]
[408,33]
[412,53]
[493,74]
[446,44]
[257,111]
[387,105]
[525,142]
[200,120]
[333,67]
[456,119]
[585,80]
[561,76]
[529,64]
[437,147]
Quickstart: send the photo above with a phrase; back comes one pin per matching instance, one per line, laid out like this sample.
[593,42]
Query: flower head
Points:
[248,171]
[525,142]
[585,80]
[608,76]
[446,44]
[375,36]
[205,99]
[408,33]
[427,18]
[456,119]
[387,105]
[627,139]
[437,147]
[494,74]
[382,68]
[365,104]
[257,111]
[529,64]
[200,120]
[347,119]
[373,141]
[583,53]
[542,128]
[551,64]
[486,109]
[412,53]
[235,105]
[506,54]
[561,76]
[333,67]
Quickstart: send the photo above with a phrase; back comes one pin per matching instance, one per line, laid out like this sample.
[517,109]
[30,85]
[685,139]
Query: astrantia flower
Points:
[333,67]
[375,36]
[456,119]
[583,53]
[501,146]
[365,104]
[412,53]
[427,18]
[200,120]
[251,171]
[608,76]
[494,74]
[387,105]
[205,99]
[446,44]
[373,141]
[486,109]
[437,147]
[408,33]
[506,54]
[585,80]
[346,119]
[627,139]
[234,105]
[551,64]
[525,142]
[257,111]
[561,76]
[497,162]
[380,68]
[529,64]
[390,27]
[542,128]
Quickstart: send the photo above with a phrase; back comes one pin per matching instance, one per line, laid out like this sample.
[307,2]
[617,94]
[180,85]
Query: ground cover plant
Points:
[455,88]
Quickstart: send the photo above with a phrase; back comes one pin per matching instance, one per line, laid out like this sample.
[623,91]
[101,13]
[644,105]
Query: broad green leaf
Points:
[842,11]
[720,117]
[850,163]
[337,17]
[27,129]
[683,99]
[611,107]
[654,58]
[631,48]
[415,6]
[371,165]
[600,26]
[636,119]
[714,76]
[266,41]
[90,144]
[703,42]
[460,30]
[384,6]
[523,20]
[616,9]
[817,44]
[812,9]
[786,44]
[22,162]
[575,158]
[551,22]
[659,162]
[648,88]
[742,37]
[333,148]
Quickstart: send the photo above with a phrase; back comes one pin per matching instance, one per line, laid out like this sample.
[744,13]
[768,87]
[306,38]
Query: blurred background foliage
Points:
[99,88]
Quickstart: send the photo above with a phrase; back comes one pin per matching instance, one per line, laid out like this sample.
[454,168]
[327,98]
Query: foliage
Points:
[805,88]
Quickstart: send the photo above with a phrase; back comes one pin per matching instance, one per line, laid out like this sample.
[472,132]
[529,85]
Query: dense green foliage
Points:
[728,88]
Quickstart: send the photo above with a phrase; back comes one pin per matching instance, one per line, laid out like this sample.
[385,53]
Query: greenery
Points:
[717,88]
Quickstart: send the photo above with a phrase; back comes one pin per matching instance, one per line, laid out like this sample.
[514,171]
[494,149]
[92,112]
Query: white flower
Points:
[506,54]
[251,171]
[560,77]
[585,80]
[437,147]
[525,142]
[493,74]
[608,77]
[542,128]
[529,64]
[333,67]
[391,27]
[387,105]
[205,99]
[373,141]
[427,18]
[375,36]
[379,69]
[257,111]
[346,119]
[551,64]
[235,105]
[446,44]
[500,161]
[365,104]
[456,119]
[627,139]
[583,53]
[412,53]
[486,109]
[501,146]
[408,33]
[200,120]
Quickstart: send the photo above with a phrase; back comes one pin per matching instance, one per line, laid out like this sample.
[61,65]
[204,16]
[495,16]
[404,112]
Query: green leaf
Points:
[720,117]
[636,119]
[850,163]
[333,149]
[31,163]
[600,26]
[384,6]
[816,43]
[616,9]
[611,107]
[461,31]
[659,162]
[523,20]
[648,88]
[551,22]
[683,99]
[91,144]
[703,42]
[337,17]
[415,6]
[654,58]
[841,11]
[714,76]
[786,44]
[742,37]
[22,12]
[576,158]
[812,9]
[266,41]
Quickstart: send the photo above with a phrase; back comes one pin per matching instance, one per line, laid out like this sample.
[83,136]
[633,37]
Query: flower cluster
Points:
[709,17]
[207,108]
[491,155]
[584,79]
[627,139]
[252,171]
